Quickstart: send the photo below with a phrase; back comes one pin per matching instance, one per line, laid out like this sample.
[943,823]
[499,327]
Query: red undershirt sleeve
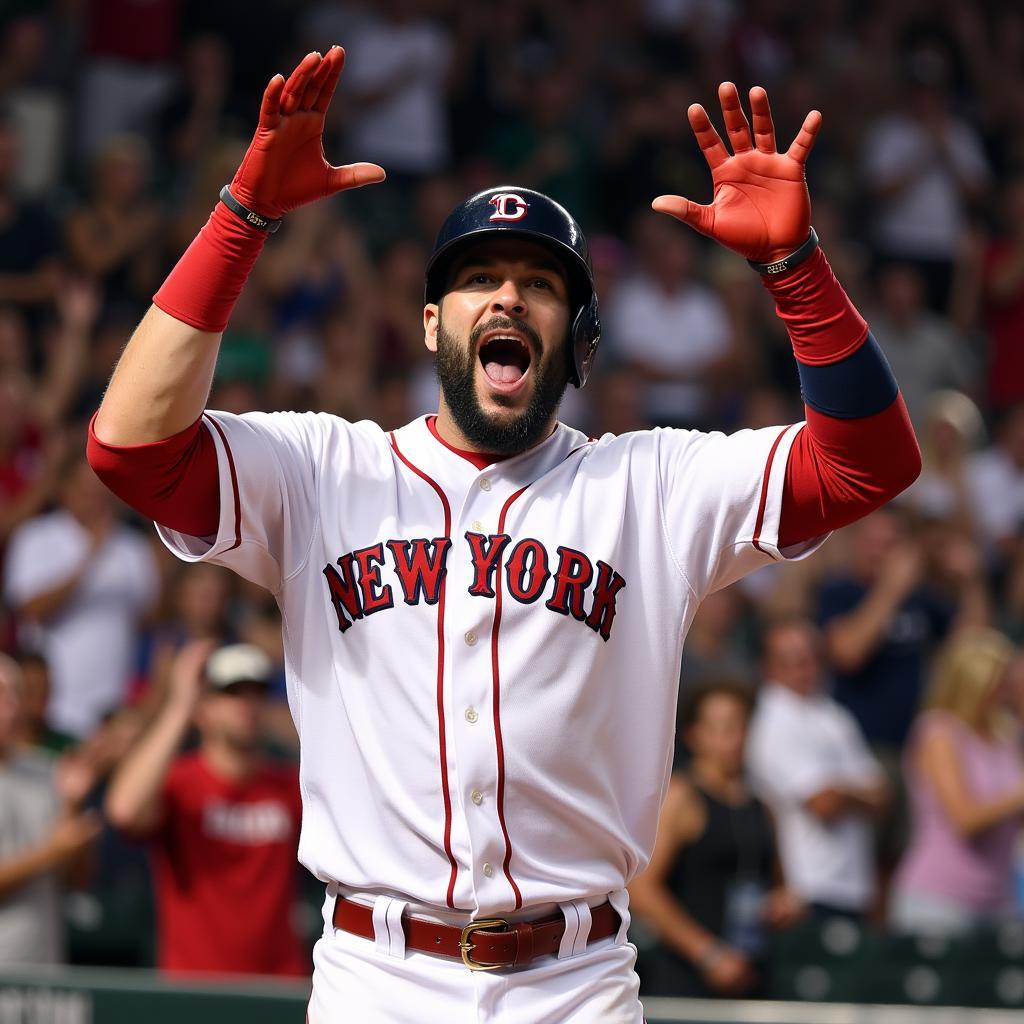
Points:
[858,449]
[174,482]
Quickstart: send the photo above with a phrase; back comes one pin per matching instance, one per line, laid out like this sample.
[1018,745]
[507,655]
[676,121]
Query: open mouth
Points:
[505,358]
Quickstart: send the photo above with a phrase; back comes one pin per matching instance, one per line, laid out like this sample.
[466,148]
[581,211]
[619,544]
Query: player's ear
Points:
[431,321]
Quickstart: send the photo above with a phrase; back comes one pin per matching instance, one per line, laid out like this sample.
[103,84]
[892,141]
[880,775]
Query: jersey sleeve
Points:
[721,497]
[267,465]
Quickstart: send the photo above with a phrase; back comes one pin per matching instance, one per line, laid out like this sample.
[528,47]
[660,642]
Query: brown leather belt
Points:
[483,945]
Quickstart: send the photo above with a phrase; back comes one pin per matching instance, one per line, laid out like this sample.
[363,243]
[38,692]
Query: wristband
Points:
[794,259]
[249,216]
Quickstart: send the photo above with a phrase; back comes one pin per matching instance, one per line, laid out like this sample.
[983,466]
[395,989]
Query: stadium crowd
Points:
[851,726]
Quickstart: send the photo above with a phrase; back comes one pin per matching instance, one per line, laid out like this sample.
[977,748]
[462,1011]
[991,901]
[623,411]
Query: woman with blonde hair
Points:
[965,779]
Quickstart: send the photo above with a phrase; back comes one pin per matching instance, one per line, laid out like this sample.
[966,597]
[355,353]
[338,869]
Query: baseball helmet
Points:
[512,212]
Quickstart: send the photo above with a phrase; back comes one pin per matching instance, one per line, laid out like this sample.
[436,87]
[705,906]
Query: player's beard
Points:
[496,434]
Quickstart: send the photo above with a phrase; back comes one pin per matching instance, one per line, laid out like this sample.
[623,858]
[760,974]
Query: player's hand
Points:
[761,208]
[284,166]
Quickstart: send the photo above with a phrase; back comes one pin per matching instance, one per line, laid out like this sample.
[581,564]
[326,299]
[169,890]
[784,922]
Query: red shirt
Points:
[1004,322]
[225,870]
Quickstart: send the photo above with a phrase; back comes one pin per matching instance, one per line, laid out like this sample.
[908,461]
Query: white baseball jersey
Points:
[483,664]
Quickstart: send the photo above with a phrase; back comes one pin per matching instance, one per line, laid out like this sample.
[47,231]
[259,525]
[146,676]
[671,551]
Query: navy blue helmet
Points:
[514,212]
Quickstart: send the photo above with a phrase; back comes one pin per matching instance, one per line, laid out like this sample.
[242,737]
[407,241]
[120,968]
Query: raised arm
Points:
[162,380]
[145,442]
[133,800]
[858,449]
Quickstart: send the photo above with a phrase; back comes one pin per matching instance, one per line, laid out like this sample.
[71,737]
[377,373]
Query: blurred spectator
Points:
[33,443]
[112,237]
[996,477]
[1002,294]
[190,122]
[128,72]
[223,821]
[80,581]
[711,889]
[42,839]
[29,243]
[952,429]
[922,348]
[35,60]
[34,732]
[29,461]
[881,622]
[965,776]
[397,68]
[199,608]
[714,645]
[545,146]
[669,327]
[809,762]
[647,148]
[926,166]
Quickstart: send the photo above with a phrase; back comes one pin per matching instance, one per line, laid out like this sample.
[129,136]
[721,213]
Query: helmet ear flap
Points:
[586,334]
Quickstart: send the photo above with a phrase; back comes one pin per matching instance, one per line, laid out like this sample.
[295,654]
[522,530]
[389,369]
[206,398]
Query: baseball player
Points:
[484,610]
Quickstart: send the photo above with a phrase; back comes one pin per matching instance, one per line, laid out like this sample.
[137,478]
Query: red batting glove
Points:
[761,208]
[285,166]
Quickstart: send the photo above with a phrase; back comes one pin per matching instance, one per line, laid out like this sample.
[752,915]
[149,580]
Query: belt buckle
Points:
[467,947]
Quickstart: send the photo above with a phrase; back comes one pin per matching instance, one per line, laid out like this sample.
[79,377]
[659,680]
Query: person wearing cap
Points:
[483,610]
[222,820]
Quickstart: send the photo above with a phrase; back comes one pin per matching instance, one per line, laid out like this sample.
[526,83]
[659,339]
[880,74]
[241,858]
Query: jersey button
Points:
[469,637]
[488,870]
[485,484]
[476,526]
[477,797]
[471,715]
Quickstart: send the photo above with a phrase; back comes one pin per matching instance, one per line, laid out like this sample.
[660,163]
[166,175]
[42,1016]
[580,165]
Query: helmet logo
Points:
[508,206]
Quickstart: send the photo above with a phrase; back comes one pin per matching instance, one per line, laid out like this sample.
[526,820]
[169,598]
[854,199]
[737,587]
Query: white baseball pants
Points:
[357,980]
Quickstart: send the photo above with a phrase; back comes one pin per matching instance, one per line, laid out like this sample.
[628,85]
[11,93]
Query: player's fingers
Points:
[700,218]
[336,56]
[735,120]
[761,116]
[270,109]
[315,83]
[804,141]
[296,84]
[353,176]
[707,138]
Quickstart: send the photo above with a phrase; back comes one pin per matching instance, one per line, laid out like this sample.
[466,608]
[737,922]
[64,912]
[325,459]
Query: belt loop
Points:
[388,933]
[577,928]
[620,903]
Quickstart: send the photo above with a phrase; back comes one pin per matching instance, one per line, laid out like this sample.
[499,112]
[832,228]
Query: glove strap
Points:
[249,216]
[794,259]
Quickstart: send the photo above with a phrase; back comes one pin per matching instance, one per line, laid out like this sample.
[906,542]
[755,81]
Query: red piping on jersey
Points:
[496,710]
[764,493]
[441,737]
[234,485]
